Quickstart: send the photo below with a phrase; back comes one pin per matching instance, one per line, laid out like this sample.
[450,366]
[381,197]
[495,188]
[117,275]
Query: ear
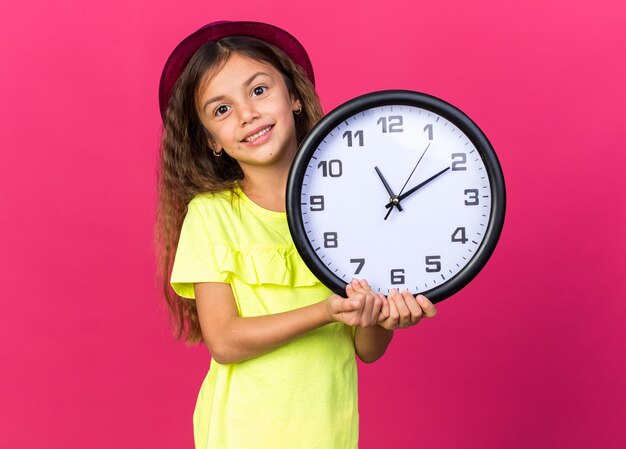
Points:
[296,104]
[211,144]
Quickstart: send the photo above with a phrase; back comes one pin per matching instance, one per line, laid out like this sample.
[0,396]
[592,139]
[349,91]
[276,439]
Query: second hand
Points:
[408,179]
[413,171]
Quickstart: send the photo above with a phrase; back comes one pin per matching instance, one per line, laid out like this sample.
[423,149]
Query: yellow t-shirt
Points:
[302,395]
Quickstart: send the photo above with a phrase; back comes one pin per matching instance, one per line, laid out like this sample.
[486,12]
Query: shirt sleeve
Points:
[199,254]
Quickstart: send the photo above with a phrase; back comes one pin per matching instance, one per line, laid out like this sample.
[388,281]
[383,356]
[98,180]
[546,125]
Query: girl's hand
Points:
[403,310]
[361,308]
[371,301]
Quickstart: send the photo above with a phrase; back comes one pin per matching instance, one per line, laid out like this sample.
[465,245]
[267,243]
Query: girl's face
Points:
[248,111]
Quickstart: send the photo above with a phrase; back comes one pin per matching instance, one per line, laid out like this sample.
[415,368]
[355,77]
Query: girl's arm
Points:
[231,338]
[370,343]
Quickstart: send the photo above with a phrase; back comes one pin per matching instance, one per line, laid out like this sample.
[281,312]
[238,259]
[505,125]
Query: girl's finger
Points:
[414,307]
[384,309]
[378,305]
[427,306]
[351,304]
[403,310]
[394,315]
[372,309]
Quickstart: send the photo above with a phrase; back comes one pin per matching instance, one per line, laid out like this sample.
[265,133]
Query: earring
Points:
[215,153]
[298,111]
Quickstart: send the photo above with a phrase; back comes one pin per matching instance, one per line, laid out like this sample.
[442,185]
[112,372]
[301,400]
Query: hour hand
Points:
[392,196]
[416,188]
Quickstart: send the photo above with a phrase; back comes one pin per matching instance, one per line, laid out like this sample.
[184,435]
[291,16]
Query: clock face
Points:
[398,188]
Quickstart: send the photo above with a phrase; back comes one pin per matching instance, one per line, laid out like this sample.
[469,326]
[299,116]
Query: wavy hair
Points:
[187,167]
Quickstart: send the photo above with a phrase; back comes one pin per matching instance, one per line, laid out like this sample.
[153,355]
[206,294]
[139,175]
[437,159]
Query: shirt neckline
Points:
[259,209]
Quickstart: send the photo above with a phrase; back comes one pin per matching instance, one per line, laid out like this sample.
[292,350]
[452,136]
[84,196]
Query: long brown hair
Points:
[187,167]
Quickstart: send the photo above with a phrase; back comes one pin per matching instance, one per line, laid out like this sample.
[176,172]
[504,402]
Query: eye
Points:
[259,90]
[221,110]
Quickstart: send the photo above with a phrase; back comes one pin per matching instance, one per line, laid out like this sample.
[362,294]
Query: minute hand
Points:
[417,187]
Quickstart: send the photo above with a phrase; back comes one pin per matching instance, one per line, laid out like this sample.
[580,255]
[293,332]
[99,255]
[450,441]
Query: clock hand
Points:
[417,187]
[396,199]
[392,196]
[413,171]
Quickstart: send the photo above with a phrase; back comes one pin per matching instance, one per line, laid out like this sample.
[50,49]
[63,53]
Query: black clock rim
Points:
[407,98]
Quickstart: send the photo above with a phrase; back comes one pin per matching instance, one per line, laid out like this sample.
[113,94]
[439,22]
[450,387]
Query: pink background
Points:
[530,354]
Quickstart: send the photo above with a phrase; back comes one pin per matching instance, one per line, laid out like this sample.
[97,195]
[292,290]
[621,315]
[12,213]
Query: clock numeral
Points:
[433,264]
[459,235]
[473,197]
[330,240]
[332,168]
[358,135]
[397,276]
[429,130]
[459,165]
[360,263]
[316,202]
[394,121]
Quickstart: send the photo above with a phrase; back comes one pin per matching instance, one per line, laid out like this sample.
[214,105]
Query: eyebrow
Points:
[221,97]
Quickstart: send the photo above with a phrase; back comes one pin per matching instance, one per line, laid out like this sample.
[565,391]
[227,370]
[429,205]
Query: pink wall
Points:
[530,354]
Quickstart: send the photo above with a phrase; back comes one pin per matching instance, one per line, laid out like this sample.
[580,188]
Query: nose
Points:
[247,112]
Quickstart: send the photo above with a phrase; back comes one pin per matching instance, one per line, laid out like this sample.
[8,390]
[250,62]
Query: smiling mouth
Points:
[254,137]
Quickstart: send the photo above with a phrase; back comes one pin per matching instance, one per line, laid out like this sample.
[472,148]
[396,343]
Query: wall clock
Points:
[399,188]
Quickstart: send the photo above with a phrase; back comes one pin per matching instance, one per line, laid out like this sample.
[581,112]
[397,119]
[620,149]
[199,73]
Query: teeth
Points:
[257,135]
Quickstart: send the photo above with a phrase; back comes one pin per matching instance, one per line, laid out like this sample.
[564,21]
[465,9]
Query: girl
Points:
[236,99]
